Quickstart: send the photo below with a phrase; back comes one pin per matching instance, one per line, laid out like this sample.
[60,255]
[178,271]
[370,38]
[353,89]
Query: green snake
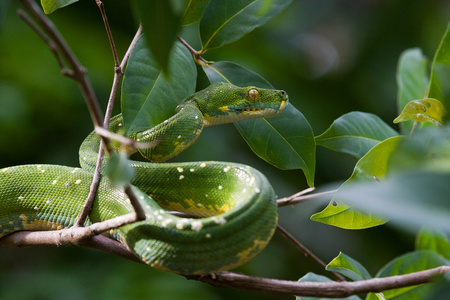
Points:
[234,205]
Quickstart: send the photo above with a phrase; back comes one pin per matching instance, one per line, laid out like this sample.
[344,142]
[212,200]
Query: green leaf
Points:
[194,11]
[223,22]
[150,96]
[344,216]
[408,263]
[409,200]
[429,239]
[355,133]
[160,25]
[119,170]
[285,141]
[50,6]
[412,81]
[311,277]
[424,110]
[371,167]
[440,72]
[347,266]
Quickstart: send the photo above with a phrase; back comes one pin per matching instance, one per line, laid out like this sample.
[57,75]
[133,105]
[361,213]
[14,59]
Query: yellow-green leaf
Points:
[425,110]
[50,6]
[372,167]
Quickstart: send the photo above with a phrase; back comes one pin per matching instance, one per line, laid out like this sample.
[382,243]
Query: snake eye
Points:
[253,94]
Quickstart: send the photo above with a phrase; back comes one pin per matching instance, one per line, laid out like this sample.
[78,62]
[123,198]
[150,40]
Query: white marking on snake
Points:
[54,182]
[220,187]
[196,225]
[202,165]
[226,169]
[257,190]
[78,181]
[180,169]
[36,208]
[208,235]
[166,222]
[192,170]
[181,177]
[20,198]
[220,220]
[180,225]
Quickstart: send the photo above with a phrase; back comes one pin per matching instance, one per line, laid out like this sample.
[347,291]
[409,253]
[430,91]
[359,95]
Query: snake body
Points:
[233,204]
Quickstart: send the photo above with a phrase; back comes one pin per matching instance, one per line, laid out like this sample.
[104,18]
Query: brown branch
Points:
[65,237]
[320,289]
[54,238]
[229,279]
[307,252]
[300,197]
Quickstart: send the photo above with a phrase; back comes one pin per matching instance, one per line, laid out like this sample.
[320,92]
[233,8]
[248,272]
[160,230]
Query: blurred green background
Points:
[332,57]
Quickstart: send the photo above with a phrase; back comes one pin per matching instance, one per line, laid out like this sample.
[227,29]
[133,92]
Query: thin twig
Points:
[307,252]
[294,199]
[101,6]
[195,54]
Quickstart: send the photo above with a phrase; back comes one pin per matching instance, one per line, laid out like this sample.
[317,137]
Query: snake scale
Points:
[234,205]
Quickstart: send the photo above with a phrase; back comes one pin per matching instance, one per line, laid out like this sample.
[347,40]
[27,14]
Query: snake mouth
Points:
[269,109]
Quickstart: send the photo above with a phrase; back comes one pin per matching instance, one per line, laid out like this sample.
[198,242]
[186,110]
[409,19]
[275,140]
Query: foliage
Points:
[399,179]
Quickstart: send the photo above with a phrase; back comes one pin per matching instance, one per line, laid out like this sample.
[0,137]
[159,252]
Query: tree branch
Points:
[229,279]
[319,289]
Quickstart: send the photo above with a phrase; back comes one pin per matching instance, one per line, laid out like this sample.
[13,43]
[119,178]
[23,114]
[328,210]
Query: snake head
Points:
[227,103]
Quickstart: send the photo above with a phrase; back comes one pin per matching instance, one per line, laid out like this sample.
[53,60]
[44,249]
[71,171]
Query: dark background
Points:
[332,57]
